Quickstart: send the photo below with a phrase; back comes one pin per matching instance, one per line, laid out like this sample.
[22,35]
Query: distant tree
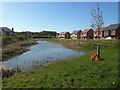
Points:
[47,34]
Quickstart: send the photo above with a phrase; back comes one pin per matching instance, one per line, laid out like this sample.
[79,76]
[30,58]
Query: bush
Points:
[14,38]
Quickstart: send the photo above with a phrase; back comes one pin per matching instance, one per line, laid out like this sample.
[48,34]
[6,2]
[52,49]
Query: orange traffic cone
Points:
[94,56]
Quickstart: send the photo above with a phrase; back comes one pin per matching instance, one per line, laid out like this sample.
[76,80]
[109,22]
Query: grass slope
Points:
[79,72]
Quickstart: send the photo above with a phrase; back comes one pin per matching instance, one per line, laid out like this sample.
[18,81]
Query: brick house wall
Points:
[118,33]
[67,35]
[79,35]
[90,34]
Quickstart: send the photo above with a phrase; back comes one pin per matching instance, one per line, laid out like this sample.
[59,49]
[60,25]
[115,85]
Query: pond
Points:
[41,54]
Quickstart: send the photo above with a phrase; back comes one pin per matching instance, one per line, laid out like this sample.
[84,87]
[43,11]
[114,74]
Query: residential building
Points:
[60,35]
[57,35]
[87,34]
[112,31]
[99,33]
[76,34]
[65,35]
[6,31]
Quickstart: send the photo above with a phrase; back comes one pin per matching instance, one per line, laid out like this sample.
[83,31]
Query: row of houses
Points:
[112,31]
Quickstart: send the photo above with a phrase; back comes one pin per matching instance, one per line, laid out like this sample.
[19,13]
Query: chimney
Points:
[12,30]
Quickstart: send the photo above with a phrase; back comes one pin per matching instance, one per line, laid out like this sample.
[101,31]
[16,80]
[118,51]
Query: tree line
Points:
[22,36]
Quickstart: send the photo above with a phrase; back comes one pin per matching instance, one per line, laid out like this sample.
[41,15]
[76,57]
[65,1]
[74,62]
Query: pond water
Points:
[40,54]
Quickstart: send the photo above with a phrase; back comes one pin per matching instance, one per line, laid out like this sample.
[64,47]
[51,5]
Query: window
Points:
[113,32]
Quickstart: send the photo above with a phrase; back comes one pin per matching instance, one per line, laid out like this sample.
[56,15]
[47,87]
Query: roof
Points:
[63,33]
[86,30]
[112,27]
[5,29]
[76,31]
[101,29]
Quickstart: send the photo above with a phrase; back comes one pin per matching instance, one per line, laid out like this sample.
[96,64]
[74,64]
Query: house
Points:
[87,34]
[60,35]
[99,33]
[112,31]
[76,34]
[65,35]
[57,35]
[6,31]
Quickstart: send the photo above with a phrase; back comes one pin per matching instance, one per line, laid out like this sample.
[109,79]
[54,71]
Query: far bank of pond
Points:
[17,48]
[42,53]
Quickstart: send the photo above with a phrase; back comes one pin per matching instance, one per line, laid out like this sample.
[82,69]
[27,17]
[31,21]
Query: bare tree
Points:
[97,18]
[97,23]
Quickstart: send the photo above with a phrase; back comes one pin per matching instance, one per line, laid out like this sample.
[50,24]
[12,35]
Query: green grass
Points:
[78,72]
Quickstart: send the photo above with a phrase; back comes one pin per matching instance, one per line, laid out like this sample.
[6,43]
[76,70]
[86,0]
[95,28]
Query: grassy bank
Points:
[78,72]
[87,46]
[14,49]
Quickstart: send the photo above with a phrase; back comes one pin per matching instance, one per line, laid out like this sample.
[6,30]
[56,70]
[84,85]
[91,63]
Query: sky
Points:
[54,16]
